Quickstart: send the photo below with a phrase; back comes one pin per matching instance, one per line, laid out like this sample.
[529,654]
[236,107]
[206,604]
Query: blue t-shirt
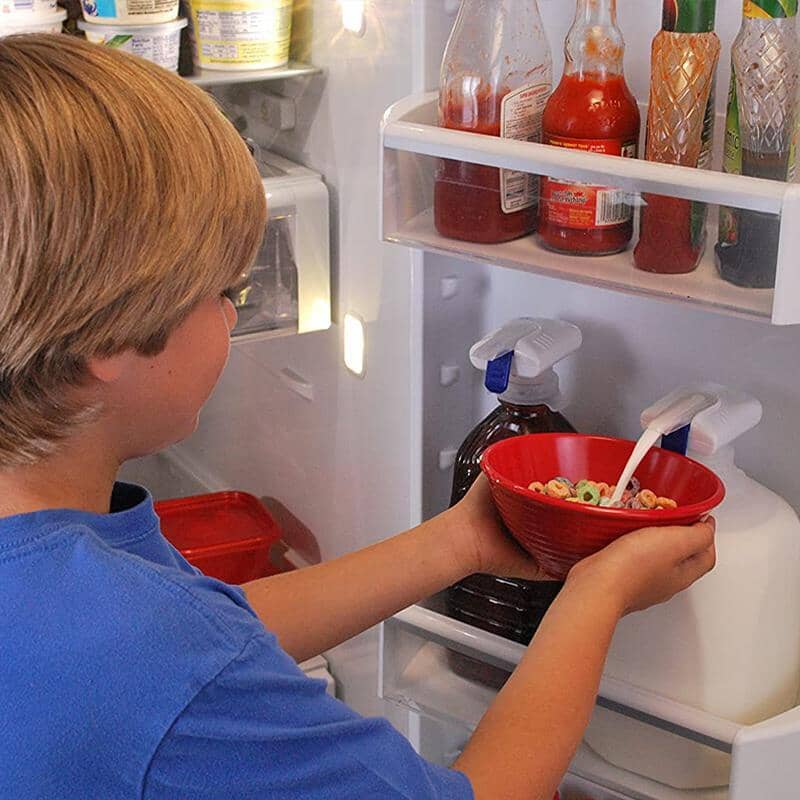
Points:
[126,674]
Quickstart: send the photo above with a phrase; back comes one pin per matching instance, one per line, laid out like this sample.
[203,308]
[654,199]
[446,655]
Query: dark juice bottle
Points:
[518,359]
[509,607]
[591,110]
[493,82]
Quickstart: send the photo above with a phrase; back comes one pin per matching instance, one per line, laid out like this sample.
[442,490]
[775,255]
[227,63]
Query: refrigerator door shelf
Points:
[288,290]
[210,77]
[418,646]
[413,144]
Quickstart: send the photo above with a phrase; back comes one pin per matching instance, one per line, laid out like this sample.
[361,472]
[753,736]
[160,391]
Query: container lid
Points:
[518,359]
[689,16]
[221,519]
[134,30]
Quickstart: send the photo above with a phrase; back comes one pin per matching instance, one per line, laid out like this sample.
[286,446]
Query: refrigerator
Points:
[349,430]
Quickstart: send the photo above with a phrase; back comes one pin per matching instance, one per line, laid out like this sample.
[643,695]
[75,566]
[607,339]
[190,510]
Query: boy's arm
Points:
[314,609]
[525,742]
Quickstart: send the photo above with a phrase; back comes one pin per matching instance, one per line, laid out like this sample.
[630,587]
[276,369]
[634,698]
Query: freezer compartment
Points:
[419,647]
[413,145]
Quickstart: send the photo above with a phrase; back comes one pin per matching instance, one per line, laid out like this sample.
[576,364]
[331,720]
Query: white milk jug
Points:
[730,645]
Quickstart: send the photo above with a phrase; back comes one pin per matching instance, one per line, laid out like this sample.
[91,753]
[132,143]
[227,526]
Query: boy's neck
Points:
[79,477]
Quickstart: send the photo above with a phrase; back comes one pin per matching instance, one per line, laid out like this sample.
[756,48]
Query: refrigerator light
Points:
[354,344]
[353,17]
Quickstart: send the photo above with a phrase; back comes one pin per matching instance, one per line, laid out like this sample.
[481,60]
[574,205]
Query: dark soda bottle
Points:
[518,359]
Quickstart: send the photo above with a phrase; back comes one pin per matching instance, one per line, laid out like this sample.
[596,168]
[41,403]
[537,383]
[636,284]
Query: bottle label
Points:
[580,206]
[521,118]
[732,163]
[689,16]
[770,9]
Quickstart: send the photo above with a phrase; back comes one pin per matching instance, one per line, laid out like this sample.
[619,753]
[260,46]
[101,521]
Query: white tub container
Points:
[129,12]
[241,34]
[157,43]
[32,23]
[38,7]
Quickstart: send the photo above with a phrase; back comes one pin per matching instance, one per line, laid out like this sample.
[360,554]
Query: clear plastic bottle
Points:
[592,110]
[761,124]
[496,77]
[518,359]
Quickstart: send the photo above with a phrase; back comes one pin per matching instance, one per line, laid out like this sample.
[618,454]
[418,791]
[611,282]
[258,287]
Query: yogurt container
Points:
[32,23]
[38,7]
[241,34]
[130,12]
[157,43]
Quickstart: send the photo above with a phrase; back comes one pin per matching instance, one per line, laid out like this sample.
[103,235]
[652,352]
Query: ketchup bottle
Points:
[496,78]
[592,110]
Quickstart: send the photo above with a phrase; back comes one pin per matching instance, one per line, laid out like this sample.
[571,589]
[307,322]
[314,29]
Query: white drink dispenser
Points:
[730,645]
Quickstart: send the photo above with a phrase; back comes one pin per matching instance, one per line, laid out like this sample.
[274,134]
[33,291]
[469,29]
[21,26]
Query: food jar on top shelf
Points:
[129,12]
[235,35]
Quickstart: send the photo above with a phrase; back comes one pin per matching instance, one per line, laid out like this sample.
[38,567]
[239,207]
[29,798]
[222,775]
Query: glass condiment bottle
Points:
[680,128]
[592,110]
[496,77]
[759,135]
[518,359]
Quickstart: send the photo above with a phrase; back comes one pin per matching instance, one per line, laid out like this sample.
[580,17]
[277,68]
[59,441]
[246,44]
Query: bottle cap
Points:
[770,9]
[689,16]
[518,359]
[732,414]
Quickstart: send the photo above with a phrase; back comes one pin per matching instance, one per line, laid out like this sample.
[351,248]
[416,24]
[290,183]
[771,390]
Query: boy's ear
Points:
[107,369]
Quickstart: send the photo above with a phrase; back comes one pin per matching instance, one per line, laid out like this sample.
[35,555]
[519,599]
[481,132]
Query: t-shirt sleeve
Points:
[262,729]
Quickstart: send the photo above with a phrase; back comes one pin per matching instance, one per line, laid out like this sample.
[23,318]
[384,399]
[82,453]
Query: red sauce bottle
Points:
[496,82]
[591,110]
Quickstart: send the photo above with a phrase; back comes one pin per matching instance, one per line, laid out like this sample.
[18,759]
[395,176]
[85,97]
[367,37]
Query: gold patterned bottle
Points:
[679,131]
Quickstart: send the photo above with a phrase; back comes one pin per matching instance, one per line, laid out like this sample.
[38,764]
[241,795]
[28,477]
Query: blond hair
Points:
[125,198]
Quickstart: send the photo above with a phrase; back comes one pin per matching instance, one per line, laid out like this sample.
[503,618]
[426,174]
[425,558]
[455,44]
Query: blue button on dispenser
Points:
[677,441]
[498,372]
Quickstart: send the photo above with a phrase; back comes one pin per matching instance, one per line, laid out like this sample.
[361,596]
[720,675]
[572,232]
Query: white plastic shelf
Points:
[412,140]
[211,77]
[415,672]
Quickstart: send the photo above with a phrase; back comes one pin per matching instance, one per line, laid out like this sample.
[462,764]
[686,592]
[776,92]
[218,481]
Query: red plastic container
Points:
[559,534]
[226,535]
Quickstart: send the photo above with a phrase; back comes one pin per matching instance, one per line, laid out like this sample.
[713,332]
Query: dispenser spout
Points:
[677,410]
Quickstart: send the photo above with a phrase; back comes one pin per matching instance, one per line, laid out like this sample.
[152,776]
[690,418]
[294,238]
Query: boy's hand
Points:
[482,542]
[650,566]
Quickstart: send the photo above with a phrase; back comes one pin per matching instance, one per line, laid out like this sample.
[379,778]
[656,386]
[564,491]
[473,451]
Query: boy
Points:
[129,205]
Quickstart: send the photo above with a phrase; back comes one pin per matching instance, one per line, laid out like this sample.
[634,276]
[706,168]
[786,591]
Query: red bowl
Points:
[559,534]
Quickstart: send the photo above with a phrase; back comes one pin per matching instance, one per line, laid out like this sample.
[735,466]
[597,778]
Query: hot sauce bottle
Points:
[495,80]
[592,110]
